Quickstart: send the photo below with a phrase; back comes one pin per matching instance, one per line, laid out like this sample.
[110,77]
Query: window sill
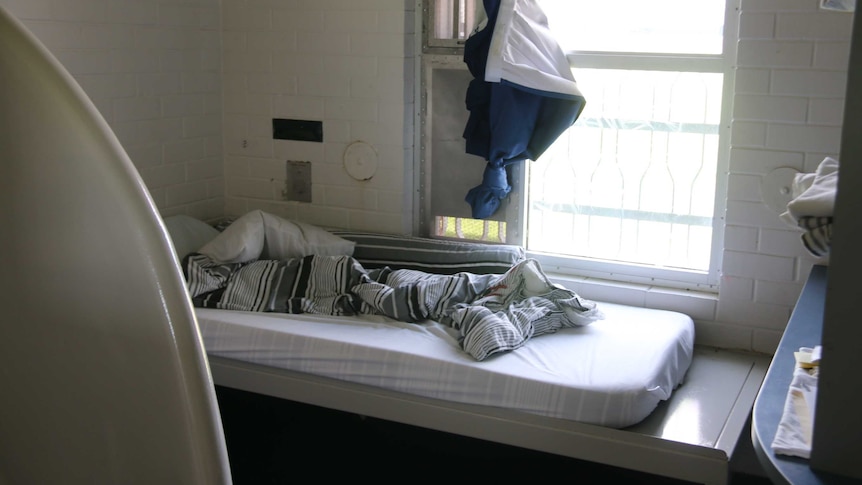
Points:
[699,305]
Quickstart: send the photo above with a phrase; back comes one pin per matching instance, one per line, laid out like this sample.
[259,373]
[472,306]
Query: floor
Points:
[271,441]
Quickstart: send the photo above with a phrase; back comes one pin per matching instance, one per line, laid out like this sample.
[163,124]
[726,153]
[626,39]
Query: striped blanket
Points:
[492,313]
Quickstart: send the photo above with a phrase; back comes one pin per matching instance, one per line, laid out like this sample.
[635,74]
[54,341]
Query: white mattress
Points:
[612,373]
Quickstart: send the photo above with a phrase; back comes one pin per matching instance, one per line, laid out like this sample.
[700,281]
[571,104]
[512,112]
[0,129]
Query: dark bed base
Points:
[691,437]
[270,439]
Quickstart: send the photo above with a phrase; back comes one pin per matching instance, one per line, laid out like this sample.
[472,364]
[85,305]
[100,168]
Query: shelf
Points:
[803,330]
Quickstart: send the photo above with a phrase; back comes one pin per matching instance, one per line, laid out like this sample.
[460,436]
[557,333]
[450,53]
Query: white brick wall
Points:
[346,63]
[788,109]
[153,71]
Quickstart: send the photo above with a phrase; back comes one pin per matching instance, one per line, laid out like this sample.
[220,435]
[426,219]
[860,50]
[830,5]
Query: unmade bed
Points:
[627,390]
[612,373]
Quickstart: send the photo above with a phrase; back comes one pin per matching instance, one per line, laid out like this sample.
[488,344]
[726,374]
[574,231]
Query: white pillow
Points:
[261,235]
[239,242]
[188,234]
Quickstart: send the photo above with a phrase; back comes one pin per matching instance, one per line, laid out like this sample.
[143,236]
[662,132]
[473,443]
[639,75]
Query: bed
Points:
[627,388]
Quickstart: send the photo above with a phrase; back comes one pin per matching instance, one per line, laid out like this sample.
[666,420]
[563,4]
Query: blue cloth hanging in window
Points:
[522,98]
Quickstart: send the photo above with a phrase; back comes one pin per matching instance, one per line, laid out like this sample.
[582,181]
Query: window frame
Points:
[645,274]
[429,40]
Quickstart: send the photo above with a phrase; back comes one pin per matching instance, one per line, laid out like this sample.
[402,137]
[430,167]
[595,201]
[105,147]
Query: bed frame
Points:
[690,437]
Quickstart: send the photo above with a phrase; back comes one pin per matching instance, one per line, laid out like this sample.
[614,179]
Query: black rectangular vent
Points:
[302,130]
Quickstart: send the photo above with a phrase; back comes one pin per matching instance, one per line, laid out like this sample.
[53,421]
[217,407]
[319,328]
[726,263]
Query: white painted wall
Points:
[346,63]
[788,111]
[153,68]
[156,69]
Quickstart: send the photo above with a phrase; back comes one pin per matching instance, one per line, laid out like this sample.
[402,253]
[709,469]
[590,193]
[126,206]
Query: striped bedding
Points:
[439,256]
[492,313]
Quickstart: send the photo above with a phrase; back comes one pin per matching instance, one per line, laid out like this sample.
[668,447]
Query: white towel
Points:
[793,436]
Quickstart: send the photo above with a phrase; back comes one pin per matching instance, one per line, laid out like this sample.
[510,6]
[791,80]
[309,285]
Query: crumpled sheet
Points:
[793,436]
[492,313]
[813,205]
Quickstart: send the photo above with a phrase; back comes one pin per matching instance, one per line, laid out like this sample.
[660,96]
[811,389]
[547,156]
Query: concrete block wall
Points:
[788,105]
[153,69]
[346,63]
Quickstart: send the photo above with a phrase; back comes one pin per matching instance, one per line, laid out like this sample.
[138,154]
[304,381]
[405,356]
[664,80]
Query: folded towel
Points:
[793,436]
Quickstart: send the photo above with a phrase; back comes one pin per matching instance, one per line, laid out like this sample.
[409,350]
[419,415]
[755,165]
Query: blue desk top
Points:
[803,330]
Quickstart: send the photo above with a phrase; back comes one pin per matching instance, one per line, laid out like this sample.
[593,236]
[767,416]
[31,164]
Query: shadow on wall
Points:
[99,345]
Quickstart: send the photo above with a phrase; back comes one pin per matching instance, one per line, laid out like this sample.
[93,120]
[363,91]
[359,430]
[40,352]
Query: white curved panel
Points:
[102,370]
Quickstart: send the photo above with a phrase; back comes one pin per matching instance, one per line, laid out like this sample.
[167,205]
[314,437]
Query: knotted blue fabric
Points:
[511,122]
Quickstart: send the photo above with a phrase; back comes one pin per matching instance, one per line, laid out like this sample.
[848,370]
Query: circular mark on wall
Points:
[776,188]
[360,160]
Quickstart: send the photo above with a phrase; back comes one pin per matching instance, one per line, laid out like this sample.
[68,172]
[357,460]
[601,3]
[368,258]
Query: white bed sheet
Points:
[612,373]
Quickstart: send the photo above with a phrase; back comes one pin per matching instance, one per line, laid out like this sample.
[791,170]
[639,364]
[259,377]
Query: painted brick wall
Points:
[347,63]
[788,110]
[153,70]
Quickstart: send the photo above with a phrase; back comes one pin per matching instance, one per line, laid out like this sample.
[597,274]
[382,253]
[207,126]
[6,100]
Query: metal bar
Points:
[643,125]
[629,214]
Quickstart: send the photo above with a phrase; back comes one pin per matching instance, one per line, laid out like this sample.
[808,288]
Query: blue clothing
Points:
[509,122]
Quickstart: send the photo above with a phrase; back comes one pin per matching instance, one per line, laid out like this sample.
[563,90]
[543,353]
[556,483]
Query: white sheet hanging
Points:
[524,52]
